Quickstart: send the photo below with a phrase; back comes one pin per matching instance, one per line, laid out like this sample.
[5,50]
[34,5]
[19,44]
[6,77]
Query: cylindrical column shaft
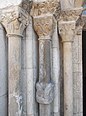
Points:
[45,88]
[44,71]
[45,110]
[66,30]
[68,79]
[56,71]
[14,66]
[3,73]
[30,72]
[44,61]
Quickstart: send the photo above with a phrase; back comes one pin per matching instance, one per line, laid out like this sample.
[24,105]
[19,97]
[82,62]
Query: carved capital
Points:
[46,7]
[14,19]
[66,30]
[71,15]
[45,94]
[44,25]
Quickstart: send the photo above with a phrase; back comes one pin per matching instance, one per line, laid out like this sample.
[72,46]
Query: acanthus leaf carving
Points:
[66,30]
[14,19]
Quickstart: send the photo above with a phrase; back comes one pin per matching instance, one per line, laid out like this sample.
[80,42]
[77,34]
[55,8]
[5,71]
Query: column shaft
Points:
[14,66]
[44,71]
[3,72]
[45,88]
[56,71]
[44,61]
[45,110]
[68,79]
[66,30]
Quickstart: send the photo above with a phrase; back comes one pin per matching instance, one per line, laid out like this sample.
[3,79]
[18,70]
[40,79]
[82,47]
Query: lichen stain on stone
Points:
[18,104]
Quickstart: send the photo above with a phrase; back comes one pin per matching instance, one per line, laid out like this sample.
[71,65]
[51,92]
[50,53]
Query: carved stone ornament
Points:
[46,7]
[66,30]
[14,19]
[44,25]
[71,15]
[82,22]
[45,94]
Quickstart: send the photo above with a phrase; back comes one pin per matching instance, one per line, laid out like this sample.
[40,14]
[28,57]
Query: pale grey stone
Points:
[30,92]
[7,3]
[3,72]
[3,105]
[23,87]
[67,4]
[3,62]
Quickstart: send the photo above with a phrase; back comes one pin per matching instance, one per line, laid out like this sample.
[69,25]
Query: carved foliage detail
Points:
[14,19]
[45,94]
[49,6]
[66,30]
[44,25]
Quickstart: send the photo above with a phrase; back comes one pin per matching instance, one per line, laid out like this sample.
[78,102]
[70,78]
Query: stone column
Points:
[56,71]
[3,72]
[67,32]
[14,68]
[44,26]
[15,23]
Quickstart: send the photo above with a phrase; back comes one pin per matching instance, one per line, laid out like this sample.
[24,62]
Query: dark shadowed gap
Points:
[84,70]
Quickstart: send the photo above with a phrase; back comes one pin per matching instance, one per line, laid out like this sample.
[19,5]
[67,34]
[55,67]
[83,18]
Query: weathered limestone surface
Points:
[67,39]
[78,3]
[3,72]
[15,25]
[44,24]
[67,32]
[56,71]
[67,4]
[31,69]
[44,87]
[8,3]
[34,72]
[77,74]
